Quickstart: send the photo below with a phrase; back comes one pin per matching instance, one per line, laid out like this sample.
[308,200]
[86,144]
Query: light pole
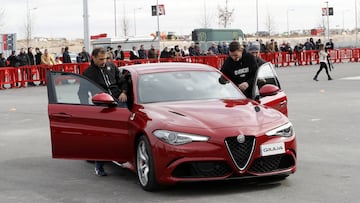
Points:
[257,18]
[115,18]
[328,22]
[135,19]
[86,25]
[287,21]
[29,23]
[356,31]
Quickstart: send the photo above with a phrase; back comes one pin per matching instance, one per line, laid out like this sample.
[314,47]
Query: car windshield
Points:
[184,85]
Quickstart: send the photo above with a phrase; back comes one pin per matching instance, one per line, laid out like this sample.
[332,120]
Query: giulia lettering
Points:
[277,148]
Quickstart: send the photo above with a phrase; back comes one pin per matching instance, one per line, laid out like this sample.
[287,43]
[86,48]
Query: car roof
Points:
[167,67]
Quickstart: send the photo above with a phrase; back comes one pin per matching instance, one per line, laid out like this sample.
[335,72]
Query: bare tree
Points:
[270,24]
[225,16]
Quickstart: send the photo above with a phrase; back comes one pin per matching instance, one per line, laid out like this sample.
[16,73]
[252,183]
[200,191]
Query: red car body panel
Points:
[91,132]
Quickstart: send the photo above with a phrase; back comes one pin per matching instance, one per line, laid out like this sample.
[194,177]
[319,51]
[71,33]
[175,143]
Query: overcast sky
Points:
[64,18]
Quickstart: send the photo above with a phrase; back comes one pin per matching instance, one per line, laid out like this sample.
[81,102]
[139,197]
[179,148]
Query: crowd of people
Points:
[24,58]
[29,57]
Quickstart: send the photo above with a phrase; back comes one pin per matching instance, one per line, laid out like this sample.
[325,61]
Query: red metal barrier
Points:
[8,76]
[22,75]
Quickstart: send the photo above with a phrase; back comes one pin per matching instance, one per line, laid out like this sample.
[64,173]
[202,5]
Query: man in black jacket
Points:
[38,56]
[119,54]
[240,67]
[66,56]
[107,76]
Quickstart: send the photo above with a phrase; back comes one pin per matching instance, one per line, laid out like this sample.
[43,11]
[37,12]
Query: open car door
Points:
[267,89]
[85,122]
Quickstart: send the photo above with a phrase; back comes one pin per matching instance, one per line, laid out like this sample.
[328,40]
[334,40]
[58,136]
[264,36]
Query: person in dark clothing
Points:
[31,62]
[119,54]
[13,60]
[78,58]
[107,75]
[66,56]
[309,45]
[254,49]
[152,53]
[134,55]
[85,56]
[31,56]
[38,56]
[23,58]
[240,67]
[2,60]
[142,52]
[329,45]
[165,53]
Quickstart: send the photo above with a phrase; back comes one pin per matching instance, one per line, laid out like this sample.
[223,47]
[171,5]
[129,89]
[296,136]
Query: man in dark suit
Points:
[134,54]
[119,54]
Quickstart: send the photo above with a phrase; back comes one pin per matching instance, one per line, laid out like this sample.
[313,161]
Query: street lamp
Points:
[29,23]
[115,18]
[343,19]
[328,22]
[287,20]
[135,19]
[356,31]
[257,18]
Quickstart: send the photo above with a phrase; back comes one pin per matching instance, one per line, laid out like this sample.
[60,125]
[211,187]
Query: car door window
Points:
[265,75]
[73,89]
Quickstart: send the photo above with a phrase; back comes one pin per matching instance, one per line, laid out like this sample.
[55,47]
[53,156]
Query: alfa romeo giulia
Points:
[180,124]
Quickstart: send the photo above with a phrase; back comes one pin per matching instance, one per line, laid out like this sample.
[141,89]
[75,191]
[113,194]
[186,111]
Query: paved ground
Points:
[326,115]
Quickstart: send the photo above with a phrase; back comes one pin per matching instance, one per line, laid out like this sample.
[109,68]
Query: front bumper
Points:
[222,159]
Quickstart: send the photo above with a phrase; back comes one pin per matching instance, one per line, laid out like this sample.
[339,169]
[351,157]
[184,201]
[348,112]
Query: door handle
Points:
[61,115]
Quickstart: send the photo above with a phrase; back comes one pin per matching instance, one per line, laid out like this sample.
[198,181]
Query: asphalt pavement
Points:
[326,115]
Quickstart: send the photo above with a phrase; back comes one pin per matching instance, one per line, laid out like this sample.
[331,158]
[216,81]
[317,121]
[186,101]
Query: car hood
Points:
[213,114]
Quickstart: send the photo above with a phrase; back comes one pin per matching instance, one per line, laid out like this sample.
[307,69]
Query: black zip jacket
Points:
[107,77]
[241,71]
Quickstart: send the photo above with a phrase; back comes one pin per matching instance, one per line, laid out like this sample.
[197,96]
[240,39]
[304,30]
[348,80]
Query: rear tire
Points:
[145,165]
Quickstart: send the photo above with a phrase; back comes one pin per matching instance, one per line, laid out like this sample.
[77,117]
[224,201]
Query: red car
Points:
[181,124]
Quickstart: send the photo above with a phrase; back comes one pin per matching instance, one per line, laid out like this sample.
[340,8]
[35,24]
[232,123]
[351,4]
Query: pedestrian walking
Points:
[323,60]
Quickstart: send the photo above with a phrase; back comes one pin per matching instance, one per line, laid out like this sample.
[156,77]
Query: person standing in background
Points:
[119,54]
[152,53]
[66,56]
[85,56]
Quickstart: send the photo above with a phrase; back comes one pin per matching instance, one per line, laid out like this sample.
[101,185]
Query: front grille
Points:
[272,163]
[202,169]
[240,152]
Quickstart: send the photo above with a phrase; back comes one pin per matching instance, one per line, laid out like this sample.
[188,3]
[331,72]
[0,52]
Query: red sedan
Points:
[181,124]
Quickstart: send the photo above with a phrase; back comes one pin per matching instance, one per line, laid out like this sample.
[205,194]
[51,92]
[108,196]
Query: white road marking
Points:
[351,78]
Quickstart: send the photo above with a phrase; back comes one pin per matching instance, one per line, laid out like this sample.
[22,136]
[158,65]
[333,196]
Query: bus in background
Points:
[206,36]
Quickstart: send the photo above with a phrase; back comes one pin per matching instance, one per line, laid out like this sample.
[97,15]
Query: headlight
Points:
[177,138]
[286,130]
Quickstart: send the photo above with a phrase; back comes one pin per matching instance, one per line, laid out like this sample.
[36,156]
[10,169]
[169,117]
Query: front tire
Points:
[145,165]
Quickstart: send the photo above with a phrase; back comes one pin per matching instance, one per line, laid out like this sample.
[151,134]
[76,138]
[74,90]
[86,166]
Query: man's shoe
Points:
[315,78]
[100,172]
[329,78]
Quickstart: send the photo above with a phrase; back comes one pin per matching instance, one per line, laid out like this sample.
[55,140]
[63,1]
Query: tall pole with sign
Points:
[328,22]
[158,20]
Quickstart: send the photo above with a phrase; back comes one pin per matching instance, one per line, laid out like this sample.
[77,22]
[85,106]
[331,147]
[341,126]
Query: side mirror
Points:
[103,99]
[269,90]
